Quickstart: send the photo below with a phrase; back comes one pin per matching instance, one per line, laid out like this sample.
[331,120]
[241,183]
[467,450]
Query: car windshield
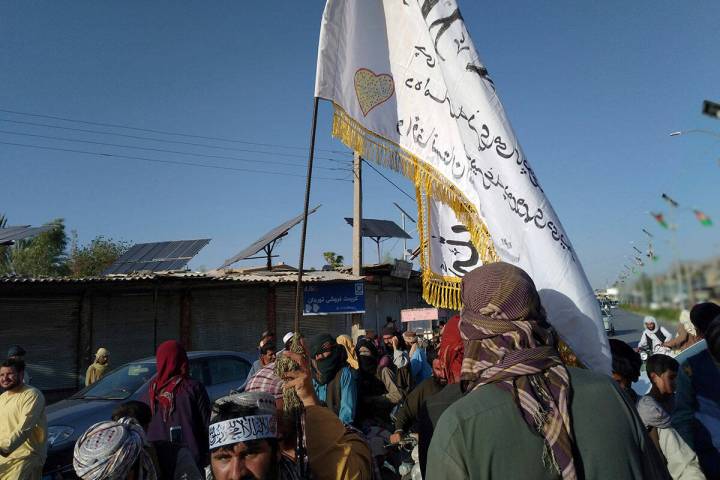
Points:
[121,383]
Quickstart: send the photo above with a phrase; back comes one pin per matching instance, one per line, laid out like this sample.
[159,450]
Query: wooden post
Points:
[357,242]
[357,245]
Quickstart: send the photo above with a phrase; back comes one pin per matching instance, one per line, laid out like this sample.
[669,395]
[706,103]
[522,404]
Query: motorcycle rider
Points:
[653,337]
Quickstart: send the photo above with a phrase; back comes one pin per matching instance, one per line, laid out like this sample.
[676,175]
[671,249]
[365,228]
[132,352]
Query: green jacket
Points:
[483,436]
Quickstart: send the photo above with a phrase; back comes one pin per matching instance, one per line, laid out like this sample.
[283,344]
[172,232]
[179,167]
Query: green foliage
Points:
[93,258]
[41,256]
[333,259]
[4,249]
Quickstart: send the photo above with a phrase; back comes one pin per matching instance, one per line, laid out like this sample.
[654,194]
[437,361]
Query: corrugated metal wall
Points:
[47,328]
[228,319]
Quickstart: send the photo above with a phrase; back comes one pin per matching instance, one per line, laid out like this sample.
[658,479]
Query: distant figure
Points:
[267,355]
[524,414]
[653,337]
[686,334]
[334,382]
[347,344]
[180,405]
[16,352]
[99,367]
[23,427]
[267,336]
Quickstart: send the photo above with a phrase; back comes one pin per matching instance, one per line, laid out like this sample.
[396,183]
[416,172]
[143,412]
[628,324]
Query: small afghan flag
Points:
[702,218]
[660,219]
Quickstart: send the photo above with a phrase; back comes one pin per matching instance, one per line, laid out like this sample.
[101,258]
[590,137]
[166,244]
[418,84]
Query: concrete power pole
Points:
[357,244]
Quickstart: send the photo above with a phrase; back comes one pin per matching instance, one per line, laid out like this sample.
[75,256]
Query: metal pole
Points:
[301,263]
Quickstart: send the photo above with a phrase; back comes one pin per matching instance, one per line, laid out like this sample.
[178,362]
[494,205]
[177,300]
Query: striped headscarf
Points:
[509,343]
[109,450]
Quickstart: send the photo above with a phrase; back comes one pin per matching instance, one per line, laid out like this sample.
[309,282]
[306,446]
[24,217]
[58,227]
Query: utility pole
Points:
[357,243]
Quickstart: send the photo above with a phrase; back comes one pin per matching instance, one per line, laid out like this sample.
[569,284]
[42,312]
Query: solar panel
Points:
[157,257]
[9,235]
[267,239]
[373,228]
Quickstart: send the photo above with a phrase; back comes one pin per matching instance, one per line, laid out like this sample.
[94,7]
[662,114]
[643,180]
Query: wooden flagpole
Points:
[299,292]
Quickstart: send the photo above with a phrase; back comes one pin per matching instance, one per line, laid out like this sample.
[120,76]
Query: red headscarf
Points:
[172,369]
[451,350]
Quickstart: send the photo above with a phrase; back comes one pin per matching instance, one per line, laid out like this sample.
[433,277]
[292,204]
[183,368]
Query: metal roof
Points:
[9,235]
[214,276]
[374,228]
[157,257]
[268,238]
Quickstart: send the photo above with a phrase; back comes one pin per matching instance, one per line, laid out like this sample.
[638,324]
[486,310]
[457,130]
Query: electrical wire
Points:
[390,181]
[162,140]
[160,150]
[164,132]
[171,162]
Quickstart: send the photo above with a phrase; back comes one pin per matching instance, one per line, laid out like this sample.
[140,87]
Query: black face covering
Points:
[368,364]
[328,367]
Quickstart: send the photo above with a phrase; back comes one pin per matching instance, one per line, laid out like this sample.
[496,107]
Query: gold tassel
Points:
[429,184]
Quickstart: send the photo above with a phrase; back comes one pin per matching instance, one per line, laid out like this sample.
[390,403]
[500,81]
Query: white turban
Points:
[109,450]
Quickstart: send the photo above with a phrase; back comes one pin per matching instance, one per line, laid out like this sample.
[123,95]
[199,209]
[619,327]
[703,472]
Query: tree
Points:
[4,249]
[41,256]
[92,259]
[333,259]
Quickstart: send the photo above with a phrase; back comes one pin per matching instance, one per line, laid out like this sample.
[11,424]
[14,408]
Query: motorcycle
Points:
[407,459]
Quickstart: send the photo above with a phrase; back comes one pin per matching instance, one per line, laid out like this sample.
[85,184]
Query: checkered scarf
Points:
[508,343]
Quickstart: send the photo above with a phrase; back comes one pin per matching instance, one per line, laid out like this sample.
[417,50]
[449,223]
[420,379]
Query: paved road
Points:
[629,327]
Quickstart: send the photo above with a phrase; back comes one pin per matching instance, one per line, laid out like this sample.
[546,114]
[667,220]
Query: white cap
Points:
[288,336]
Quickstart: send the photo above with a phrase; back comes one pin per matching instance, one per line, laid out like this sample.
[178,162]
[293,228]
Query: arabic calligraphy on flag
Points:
[411,93]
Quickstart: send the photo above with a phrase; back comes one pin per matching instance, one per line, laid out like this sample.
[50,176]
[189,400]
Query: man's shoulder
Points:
[31,392]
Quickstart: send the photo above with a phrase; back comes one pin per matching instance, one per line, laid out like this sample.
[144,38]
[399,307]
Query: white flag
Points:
[411,93]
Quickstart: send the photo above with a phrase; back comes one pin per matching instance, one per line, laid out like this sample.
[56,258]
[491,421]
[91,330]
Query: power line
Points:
[162,140]
[171,162]
[163,132]
[390,181]
[160,150]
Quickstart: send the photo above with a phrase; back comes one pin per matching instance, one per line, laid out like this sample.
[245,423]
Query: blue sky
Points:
[592,90]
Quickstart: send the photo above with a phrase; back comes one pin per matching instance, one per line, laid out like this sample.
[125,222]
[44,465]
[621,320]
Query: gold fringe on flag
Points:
[438,290]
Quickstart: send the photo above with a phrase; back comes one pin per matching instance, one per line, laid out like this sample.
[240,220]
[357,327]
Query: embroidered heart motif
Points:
[372,89]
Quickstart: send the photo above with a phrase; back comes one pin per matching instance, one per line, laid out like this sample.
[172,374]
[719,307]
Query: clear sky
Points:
[592,89]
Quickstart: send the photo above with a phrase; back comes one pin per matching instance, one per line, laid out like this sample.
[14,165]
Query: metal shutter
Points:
[123,323]
[47,328]
[228,318]
[168,317]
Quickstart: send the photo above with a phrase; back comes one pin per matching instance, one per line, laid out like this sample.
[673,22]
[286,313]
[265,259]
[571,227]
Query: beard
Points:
[11,385]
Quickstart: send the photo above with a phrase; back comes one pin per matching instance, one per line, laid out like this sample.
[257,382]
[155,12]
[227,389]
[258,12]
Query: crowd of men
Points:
[491,397]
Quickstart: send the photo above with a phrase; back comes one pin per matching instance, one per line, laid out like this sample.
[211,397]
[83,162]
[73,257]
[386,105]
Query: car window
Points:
[121,383]
[198,371]
[227,369]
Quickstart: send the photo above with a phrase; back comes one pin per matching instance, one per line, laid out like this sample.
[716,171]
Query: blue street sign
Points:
[334,298]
